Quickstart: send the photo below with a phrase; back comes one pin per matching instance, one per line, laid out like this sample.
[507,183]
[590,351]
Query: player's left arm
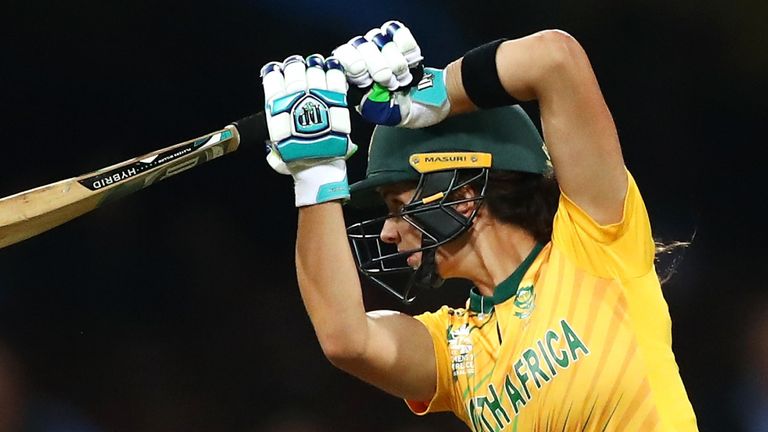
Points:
[553,68]
[550,67]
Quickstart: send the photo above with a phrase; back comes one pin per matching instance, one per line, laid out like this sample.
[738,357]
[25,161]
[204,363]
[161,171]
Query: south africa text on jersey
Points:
[538,364]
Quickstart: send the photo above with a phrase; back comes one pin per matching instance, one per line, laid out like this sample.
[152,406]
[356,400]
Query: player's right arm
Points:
[389,350]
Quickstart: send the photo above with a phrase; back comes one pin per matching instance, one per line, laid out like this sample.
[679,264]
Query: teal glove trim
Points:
[431,89]
[284,103]
[327,147]
[331,98]
[333,191]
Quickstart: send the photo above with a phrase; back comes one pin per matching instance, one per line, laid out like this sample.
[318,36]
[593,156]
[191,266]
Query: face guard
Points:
[431,211]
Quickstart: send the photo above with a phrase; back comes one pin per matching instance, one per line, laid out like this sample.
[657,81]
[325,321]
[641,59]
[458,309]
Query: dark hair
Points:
[669,256]
[530,201]
[524,199]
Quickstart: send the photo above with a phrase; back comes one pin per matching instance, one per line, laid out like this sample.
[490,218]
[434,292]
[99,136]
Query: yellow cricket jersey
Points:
[577,338]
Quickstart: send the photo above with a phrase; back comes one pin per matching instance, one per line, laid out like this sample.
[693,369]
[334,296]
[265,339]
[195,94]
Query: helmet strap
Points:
[426,275]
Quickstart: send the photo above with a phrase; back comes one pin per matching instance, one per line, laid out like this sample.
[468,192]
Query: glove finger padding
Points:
[316,72]
[295,73]
[393,58]
[354,65]
[309,125]
[375,62]
[384,55]
[336,81]
[273,81]
[403,38]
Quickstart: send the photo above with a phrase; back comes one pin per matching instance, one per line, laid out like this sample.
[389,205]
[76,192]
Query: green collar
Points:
[506,289]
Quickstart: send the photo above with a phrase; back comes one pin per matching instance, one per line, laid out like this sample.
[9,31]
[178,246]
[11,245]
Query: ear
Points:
[465,208]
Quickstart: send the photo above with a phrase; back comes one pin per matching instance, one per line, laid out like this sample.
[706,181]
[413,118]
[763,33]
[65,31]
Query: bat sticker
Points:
[122,173]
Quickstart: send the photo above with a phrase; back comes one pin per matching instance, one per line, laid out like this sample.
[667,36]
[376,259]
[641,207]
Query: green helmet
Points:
[507,133]
[458,151]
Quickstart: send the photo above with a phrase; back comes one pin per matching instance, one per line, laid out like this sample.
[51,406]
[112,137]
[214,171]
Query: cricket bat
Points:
[35,211]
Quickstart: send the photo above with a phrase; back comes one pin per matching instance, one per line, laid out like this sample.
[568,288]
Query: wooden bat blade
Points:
[32,212]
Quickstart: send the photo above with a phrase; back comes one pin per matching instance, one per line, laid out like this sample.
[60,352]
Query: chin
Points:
[414,261]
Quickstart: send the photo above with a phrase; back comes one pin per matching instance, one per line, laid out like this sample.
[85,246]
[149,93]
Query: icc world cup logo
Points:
[310,116]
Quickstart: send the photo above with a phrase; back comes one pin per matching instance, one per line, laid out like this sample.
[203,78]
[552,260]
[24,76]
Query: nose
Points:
[389,232]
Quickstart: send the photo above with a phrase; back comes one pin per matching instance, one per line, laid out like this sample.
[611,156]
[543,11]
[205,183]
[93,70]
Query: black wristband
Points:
[481,79]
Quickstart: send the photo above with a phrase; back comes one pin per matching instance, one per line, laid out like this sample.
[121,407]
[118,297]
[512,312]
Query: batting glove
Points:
[309,126]
[399,91]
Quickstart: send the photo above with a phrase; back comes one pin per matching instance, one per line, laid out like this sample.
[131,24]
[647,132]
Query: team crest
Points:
[310,116]
[524,302]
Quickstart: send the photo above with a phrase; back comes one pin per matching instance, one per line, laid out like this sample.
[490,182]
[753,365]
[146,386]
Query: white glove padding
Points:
[309,125]
[385,62]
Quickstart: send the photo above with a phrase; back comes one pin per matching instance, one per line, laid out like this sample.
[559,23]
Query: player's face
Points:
[396,230]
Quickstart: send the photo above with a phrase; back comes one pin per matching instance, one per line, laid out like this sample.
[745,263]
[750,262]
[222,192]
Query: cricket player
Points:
[566,327]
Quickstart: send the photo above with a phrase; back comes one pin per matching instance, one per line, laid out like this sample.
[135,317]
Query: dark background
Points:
[176,309]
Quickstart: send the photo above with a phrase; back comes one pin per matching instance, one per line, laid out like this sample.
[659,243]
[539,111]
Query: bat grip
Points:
[253,129]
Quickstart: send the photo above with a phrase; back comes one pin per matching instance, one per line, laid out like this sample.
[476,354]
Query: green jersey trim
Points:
[506,289]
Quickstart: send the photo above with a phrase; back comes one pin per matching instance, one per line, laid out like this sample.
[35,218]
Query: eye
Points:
[395,210]
[395,207]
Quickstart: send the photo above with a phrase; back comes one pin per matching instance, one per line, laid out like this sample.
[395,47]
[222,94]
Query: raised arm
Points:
[309,130]
[390,350]
[552,68]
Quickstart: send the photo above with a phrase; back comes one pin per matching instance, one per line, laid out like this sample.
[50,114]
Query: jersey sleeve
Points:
[621,250]
[443,400]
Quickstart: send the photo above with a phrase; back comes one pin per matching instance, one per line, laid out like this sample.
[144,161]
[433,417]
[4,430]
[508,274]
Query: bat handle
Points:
[253,129]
